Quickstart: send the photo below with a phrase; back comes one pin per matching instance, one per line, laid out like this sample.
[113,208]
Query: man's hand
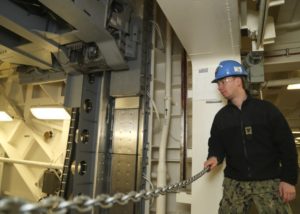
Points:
[287,191]
[211,162]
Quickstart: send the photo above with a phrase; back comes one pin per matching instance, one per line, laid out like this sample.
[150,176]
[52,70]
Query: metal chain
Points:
[58,205]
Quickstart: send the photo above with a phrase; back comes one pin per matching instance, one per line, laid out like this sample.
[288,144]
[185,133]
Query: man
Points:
[255,139]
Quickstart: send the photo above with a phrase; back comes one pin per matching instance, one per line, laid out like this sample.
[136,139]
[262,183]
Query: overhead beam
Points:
[23,24]
[88,19]
[213,27]
[282,63]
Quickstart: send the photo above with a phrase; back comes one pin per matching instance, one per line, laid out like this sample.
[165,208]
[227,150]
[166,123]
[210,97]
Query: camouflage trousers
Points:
[238,196]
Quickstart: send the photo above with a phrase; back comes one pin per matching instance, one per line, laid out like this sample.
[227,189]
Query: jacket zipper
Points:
[245,148]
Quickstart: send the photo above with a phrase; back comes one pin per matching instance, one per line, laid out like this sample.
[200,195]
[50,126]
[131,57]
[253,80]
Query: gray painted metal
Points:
[89,18]
[40,77]
[73,91]
[87,147]
[20,22]
[34,49]
[39,41]
[129,82]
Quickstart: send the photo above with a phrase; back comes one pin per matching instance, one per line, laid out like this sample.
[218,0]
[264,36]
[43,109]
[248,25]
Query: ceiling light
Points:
[293,86]
[50,113]
[4,116]
[296,132]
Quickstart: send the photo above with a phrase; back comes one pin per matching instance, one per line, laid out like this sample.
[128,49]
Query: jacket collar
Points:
[249,97]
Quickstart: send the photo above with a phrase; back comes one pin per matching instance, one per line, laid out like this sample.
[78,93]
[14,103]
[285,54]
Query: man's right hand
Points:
[211,162]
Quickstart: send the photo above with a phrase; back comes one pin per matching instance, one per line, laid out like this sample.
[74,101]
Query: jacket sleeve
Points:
[283,138]
[215,146]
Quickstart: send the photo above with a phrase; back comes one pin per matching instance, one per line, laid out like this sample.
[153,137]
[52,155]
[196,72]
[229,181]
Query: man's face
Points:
[227,86]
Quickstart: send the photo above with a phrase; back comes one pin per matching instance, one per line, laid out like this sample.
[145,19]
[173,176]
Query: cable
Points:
[159,32]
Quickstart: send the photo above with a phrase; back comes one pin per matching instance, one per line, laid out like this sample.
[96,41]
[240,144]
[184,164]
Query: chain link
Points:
[58,205]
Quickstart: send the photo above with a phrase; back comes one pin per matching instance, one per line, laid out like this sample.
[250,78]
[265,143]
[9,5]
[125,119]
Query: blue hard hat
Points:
[229,68]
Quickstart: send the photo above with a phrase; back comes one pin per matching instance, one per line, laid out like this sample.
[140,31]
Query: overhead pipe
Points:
[184,108]
[243,8]
[283,52]
[282,82]
[263,14]
[162,166]
[288,26]
[274,3]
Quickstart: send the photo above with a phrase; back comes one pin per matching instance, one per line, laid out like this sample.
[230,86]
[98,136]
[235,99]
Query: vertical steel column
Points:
[86,158]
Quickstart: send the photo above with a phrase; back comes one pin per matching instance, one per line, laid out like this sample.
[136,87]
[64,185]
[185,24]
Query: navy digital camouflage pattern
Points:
[238,196]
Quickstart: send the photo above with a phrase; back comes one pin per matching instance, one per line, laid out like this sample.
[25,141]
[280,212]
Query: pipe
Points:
[282,82]
[243,8]
[283,52]
[288,26]
[274,3]
[184,107]
[162,166]
[263,14]
[32,163]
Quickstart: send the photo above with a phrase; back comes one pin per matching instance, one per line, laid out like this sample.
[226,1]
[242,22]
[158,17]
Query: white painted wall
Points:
[209,30]
[207,191]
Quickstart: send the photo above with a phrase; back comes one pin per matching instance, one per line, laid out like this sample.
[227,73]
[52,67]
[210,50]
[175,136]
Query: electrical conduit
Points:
[162,166]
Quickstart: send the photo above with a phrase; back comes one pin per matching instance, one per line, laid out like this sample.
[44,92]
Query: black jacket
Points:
[256,142]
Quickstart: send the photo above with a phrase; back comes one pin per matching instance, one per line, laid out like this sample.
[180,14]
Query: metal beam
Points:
[31,163]
[87,18]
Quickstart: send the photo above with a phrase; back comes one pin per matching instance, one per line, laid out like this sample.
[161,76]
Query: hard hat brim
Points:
[237,75]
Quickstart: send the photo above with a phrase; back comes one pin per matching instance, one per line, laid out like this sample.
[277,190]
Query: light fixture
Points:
[50,113]
[293,86]
[4,116]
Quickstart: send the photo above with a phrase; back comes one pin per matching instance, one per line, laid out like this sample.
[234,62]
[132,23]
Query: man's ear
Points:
[240,81]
